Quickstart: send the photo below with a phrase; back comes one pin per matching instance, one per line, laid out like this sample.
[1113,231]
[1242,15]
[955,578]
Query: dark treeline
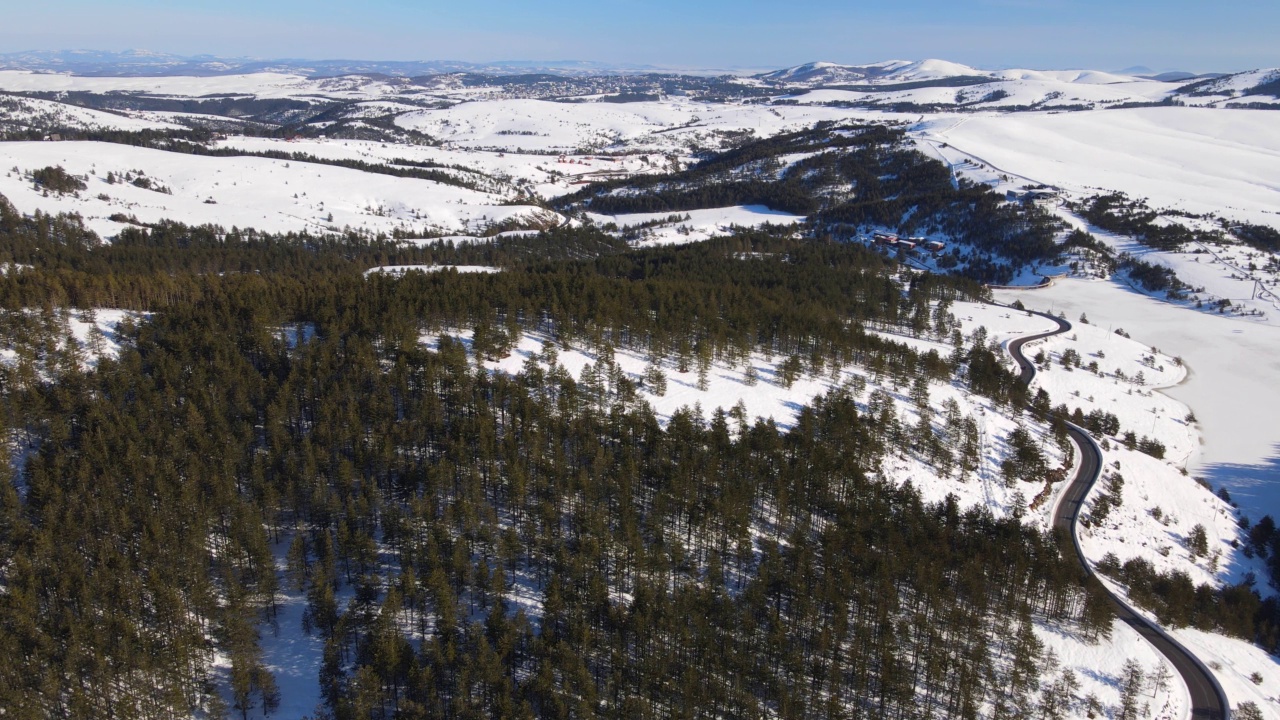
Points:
[1177,601]
[1259,236]
[805,297]
[717,567]
[197,141]
[236,107]
[1152,277]
[1117,213]
[858,177]
[809,299]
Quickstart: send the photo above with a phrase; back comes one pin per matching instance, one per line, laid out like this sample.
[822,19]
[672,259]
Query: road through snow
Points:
[1207,698]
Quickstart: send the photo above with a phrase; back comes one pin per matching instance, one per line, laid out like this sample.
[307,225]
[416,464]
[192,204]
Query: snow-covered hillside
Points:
[694,225]
[1253,86]
[25,112]
[886,73]
[1221,161]
[258,85]
[676,125]
[246,192]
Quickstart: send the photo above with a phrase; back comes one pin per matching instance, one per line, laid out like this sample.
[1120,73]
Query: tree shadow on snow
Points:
[1254,487]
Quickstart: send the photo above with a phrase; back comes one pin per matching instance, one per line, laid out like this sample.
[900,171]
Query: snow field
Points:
[499,166]
[1133,402]
[1098,667]
[247,192]
[676,125]
[37,112]
[1234,663]
[1223,161]
[700,225]
[1155,518]
[262,85]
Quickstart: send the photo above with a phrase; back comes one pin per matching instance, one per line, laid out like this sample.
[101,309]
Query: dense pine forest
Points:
[475,543]
[717,565]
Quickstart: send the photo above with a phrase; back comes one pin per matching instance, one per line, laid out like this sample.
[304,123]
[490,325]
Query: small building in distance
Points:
[935,246]
[885,238]
[1045,197]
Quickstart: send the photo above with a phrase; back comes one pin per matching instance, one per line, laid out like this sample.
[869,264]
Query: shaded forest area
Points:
[717,566]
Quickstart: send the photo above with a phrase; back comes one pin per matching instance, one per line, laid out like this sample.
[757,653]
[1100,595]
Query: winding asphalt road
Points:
[1207,699]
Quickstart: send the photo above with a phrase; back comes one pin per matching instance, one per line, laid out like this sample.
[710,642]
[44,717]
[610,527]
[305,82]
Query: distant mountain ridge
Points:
[141,63]
[145,63]
[930,85]
[886,72]
[939,84]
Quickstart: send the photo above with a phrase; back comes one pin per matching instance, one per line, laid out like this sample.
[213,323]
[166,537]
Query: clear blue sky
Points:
[1102,34]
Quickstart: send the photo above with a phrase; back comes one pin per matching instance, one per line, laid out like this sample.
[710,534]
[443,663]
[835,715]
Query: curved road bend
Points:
[1207,698]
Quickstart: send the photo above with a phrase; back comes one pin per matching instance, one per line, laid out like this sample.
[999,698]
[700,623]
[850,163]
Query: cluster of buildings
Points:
[910,243]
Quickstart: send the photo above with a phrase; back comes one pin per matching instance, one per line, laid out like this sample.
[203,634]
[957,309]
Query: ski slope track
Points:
[1208,700]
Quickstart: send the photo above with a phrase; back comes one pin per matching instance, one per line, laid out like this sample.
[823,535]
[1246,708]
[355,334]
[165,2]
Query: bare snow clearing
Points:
[402,269]
[694,225]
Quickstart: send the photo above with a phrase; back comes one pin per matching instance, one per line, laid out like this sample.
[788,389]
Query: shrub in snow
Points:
[58,180]
[1247,710]
[1198,541]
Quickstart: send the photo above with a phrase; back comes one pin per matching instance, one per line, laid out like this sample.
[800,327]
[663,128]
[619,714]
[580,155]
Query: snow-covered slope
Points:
[1233,85]
[1221,161]
[246,192]
[260,85]
[23,113]
[941,84]
[887,72]
[677,125]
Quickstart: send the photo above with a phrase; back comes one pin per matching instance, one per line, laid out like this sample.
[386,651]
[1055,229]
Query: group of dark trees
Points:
[57,179]
[1152,277]
[1263,237]
[1117,213]
[715,566]
[855,177]
[1177,601]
